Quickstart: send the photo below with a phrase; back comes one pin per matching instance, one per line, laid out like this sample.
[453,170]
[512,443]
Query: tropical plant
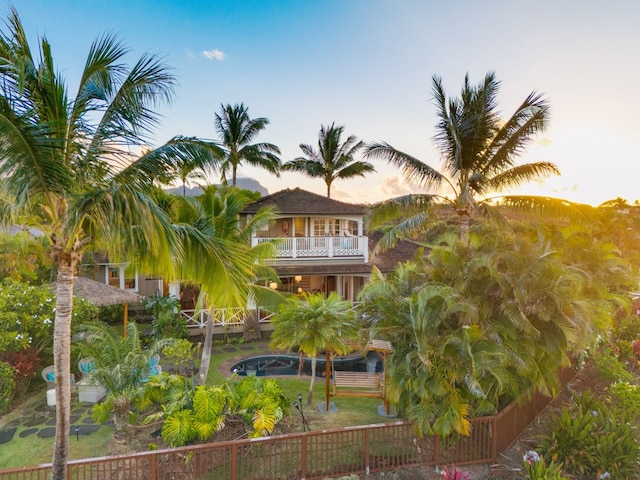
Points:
[260,403]
[69,164]
[26,316]
[7,386]
[24,258]
[334,159]
[181,355]
[166,323]
[218,255]
[475,324]
[537,468]
[237,131]
[591,438]
[26,364]
[313,324]
[479,150]
[121,365]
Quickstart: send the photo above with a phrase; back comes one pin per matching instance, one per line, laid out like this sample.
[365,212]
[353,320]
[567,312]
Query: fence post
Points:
[436,450]
[234,461]
[494,439]
[303,458]
[152,465]
[366,451]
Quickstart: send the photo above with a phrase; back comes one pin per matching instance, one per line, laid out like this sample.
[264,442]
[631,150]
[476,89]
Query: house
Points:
[321,246]
[321,243]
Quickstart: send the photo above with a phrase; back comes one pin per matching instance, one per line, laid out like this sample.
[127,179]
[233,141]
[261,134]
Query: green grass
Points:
[351,411]
[33,450]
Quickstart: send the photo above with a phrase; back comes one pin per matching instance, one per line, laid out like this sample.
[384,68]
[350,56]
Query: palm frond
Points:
[414,170]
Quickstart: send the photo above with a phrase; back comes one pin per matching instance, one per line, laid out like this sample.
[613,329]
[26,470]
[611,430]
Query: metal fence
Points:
[310,455]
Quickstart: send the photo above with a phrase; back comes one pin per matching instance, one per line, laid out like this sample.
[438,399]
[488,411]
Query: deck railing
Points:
[224,317]
[310,455]
[318,247]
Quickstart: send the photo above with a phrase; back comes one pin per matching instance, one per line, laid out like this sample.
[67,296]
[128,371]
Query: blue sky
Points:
[367,65]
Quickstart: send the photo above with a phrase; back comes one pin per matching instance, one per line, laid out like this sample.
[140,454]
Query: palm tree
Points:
[121,366]
[66,161]
[333,159]
[237,130]
[218,254]
[479,150]
[313,324]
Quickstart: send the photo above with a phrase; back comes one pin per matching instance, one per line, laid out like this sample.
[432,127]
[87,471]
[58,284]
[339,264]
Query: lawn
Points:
[351,411]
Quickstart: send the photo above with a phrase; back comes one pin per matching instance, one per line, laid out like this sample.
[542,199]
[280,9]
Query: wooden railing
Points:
[318,247]
[310,455]
[224,317]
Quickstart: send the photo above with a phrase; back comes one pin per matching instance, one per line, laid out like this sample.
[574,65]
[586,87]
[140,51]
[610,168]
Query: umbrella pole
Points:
[126,318]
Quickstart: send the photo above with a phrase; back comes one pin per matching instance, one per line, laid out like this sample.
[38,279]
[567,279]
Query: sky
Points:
[367,65]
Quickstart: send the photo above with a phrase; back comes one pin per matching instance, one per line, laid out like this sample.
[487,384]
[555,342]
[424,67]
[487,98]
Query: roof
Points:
[301,202]
[101,294]
[388,260]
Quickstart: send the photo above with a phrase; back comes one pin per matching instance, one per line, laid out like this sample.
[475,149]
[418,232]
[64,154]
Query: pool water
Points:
[272,365]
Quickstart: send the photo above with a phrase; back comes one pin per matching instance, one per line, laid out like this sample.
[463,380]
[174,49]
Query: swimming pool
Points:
[284,364]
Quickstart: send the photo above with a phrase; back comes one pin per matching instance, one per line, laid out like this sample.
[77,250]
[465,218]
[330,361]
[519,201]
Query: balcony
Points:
[319,247]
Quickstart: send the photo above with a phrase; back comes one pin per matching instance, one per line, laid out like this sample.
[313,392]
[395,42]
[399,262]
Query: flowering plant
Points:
[454,473]
[537,469]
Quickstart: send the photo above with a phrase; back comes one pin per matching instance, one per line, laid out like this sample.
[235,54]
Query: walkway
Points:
[35,417]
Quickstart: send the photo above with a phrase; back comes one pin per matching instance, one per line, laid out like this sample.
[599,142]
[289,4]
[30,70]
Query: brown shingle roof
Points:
[301,202]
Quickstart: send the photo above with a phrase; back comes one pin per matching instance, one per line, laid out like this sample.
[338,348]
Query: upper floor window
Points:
[326,227]
[121,276]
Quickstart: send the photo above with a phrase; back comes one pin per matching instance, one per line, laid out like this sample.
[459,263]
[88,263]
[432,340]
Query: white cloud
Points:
[214,54]
[190,54]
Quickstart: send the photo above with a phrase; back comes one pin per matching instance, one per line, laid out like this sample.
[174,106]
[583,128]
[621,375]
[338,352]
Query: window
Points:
[326,227]
[121,276]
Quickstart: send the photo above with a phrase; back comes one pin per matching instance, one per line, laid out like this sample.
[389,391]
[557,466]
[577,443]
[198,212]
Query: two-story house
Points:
[321,243]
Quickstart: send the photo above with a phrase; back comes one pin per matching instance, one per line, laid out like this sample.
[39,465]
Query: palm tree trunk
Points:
[62,363]
[464,228]
[314,362]
[121,420]
[203,372]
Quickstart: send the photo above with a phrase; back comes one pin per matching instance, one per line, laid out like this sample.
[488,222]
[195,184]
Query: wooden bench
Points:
[357,384]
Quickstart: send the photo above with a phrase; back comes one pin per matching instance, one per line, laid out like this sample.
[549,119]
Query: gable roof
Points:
[301,202]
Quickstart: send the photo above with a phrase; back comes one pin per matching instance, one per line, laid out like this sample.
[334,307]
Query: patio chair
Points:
[49,376]
[85,366]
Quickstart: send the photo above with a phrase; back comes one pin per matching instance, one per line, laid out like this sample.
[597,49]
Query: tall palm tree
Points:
[334,159]
[67,161]
[312,325]
[237,130]
[218,254]
[479,153]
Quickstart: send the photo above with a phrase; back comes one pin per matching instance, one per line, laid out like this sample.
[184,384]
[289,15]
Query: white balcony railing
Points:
[223,317]
[230,317]
[319,247]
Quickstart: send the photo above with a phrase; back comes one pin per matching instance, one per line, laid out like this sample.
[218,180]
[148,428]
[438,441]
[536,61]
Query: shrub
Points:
[7,386]
[627,398]
[166,324]
[180,354]
[455,473]
[592,438]
[26,365]
[27,313]
[610,368]
[628,328]
[537,468]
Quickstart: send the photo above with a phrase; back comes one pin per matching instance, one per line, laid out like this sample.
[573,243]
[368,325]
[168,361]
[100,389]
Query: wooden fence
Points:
[310,455]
